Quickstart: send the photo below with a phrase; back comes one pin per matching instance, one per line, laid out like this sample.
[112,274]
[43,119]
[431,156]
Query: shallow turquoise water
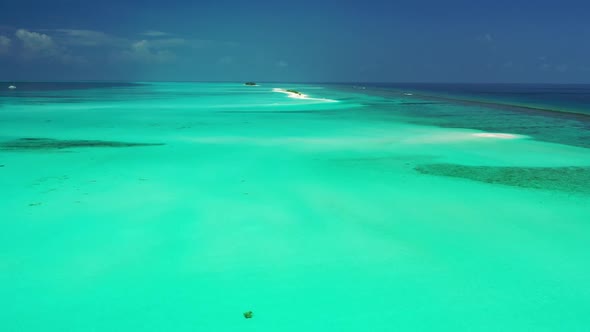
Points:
[315,215]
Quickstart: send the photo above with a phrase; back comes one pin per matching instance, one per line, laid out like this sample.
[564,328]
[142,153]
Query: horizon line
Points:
[292,82]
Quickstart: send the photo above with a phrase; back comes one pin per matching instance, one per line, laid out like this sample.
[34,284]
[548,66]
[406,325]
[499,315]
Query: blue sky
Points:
[303,40]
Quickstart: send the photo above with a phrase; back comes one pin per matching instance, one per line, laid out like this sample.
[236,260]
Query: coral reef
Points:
[568,179]
[30,143]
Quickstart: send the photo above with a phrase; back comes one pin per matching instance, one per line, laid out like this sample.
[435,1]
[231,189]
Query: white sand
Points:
[448,137]
[301,95]
[497,135]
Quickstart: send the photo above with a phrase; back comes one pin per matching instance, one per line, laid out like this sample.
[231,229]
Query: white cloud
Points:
[154,33]
[37,44]
[40,45]
[83,37]
[5,44]
[153,50]
[169,42]
[68,46]
[146,51]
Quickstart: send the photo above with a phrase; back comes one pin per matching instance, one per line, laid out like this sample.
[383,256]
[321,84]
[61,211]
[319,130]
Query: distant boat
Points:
[12,87]
[408,94]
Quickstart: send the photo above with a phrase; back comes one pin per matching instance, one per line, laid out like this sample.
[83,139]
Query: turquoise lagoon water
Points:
[180,206]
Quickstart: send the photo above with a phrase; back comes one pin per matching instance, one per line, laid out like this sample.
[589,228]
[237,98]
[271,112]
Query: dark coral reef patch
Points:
[33,143]
[567,179]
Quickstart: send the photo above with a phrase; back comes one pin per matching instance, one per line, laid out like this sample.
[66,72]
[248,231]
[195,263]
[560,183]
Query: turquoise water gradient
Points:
[312,214]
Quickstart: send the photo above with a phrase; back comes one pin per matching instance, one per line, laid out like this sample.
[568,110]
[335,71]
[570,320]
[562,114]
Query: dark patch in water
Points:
[278,112]
[34,143]
[567,179]
[421,103]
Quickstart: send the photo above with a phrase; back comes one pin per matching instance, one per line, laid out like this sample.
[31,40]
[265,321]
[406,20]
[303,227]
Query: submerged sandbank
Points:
[497,135]
[449,137]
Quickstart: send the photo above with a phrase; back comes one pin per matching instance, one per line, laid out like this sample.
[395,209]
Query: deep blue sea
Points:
[552,97]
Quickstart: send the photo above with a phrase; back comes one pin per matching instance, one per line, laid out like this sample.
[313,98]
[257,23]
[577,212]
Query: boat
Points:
[12,87]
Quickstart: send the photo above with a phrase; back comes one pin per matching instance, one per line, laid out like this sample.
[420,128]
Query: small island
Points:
[250,84]
[292,93]
[295,92]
